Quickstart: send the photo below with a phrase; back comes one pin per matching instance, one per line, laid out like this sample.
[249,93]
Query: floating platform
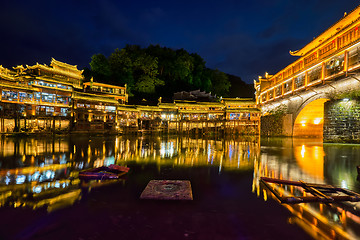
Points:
[168,190]
[318,192]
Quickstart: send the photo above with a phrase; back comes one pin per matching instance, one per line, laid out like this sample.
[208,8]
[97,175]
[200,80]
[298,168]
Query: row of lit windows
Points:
[107,90]
[333,66]
[345,39]
[243,116]
[28,97]
[52,85]
[97,107]
[48,110]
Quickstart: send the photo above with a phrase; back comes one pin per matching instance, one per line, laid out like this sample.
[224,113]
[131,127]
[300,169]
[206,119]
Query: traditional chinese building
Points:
[53,98]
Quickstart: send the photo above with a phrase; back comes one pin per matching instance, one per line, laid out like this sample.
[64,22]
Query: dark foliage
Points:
[159,71]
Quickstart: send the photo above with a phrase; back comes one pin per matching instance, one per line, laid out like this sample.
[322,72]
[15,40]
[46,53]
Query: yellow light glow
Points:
[317,120]
[310,158]
[303,151]
[309,122]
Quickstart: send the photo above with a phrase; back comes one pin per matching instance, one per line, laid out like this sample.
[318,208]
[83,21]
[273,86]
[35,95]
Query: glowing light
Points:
[37,189]
[20,179]
[303,151]
[317,120]
[344,184]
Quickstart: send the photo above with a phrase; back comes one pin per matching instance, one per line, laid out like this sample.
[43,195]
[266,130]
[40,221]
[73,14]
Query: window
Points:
[62,99]
[110,108]
[314,74]
[9,95]
[334,65]
[48,97]
[354,56]
[300,81]
[263,97]
[278,91]
[25,97]
[287,86]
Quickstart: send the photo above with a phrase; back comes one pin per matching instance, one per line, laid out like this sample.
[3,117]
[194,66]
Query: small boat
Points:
[104,173]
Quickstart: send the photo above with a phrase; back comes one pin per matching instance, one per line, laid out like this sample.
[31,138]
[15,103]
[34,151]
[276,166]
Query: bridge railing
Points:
[336,58]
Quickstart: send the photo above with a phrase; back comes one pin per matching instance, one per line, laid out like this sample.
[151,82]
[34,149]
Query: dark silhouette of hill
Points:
[239,88]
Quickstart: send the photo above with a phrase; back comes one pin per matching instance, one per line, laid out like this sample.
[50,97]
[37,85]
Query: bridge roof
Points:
[340,25]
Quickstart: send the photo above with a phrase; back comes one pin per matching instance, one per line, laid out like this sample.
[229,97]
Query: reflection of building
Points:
[183,151]
[41,172]
[53,98]
[301,160]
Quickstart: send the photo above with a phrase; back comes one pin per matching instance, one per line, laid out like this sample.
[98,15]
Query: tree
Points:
[145,70]
[157,71]
[121,66]
[220,83]
[100,68]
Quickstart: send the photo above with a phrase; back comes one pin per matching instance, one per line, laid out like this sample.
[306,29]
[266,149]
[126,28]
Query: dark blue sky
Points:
[244,38]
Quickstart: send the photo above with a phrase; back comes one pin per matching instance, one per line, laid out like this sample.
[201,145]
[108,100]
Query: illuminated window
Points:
[314,74]
[334,65]
[300,81]
[9,95]
[110,108]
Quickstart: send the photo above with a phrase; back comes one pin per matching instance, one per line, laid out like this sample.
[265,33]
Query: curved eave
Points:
[331,31]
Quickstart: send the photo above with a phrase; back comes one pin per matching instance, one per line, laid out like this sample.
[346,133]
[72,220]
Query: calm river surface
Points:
[41,196]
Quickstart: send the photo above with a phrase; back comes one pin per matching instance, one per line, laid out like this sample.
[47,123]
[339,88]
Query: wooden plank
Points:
[317,190]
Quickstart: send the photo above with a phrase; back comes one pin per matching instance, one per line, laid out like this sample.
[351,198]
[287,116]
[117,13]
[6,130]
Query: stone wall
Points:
[276,125]
[342,121]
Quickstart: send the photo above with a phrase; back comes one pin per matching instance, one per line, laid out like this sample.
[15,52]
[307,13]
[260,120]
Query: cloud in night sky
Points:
[244,38]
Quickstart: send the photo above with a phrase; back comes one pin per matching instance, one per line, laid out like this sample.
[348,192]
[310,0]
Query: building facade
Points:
[54,98]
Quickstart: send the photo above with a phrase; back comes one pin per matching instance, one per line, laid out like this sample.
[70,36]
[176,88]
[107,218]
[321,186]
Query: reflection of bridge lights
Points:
[20,179]
[37,189]
[317,120]
[303,151]
[7,180]
[344,184]
[35,176]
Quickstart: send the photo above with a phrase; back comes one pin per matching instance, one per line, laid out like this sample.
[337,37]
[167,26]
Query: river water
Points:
[39,178]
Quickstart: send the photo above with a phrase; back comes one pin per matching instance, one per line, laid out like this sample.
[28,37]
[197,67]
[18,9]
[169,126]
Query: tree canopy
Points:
[157,71]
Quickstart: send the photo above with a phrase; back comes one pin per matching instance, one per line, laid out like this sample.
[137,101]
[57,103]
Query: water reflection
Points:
[44,172]
[312,161]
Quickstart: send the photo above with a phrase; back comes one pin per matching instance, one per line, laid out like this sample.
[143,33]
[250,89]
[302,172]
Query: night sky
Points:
[244,38]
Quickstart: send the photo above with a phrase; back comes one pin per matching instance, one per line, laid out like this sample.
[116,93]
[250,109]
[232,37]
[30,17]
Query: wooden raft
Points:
[320,192]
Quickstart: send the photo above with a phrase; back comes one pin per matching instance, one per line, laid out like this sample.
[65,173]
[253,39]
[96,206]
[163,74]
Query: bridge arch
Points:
[309,117]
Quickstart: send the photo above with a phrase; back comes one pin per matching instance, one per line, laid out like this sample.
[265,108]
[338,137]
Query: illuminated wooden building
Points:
[112,91]
[200,116]
[43,98]
[333,54]
[53,98]
[37,97]
[93,112]
[241,115]
[96,108]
